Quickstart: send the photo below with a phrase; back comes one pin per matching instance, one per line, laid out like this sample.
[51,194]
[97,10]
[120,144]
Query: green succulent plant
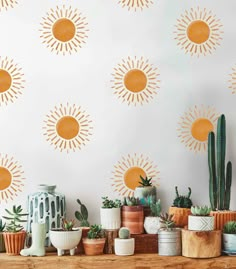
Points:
[230,227]
[124,233]
[82,215]
[107,203]
[200,210]
[68,225]
[96,231]
[156,208]
[131,201]
[145,182]
[181,200]
[2,225]
[167,221]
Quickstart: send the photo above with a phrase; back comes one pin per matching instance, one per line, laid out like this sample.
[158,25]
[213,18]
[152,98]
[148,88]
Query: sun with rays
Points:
[135,80]
[6,4]
[127,172]
[64,30]
[11,178]
[67,127]
[198,31]
[135,4]
[11,81]
[232,80]
[195,125]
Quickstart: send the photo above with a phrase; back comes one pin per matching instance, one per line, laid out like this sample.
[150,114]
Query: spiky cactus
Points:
[181,200]
[219,183]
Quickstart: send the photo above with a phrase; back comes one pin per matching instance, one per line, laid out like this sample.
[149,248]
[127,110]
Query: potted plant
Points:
[200,220]
[169,237]
[110,213]
[219,180]
[229,237]
[132,215]
[14,236]
[124,245]
[146,192]
[152,223]
[66,238]
[181,208]
[2,227]
[95,241]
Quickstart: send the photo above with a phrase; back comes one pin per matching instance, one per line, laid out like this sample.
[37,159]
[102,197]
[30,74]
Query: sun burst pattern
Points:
[11,178]
[6,4]
[127,171]
[64,30]
[135,4]
[67,127]
[232,80]
[11,81]
[195,125]
[135,81]
[198,32]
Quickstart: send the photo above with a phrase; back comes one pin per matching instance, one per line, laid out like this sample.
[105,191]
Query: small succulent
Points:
[67,225]
[155,208]
[82,215]
[200,210]
[145,182]
[96,231]
[106,203]
[181,200]
[2,226]
[131,201]
[15,218]
[230,227]
[167,221]
[124,233]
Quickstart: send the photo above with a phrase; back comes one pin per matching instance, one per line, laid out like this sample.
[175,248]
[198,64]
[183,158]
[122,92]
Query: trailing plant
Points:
[106,203]
[131,201]
[82,215]
[15,217]
[2,226]
[230,227]
[145,182]
[167,220]
[67,225]
[156,208]
[124,233]
[200,210]
[181,200]
[96,231]
[219,182]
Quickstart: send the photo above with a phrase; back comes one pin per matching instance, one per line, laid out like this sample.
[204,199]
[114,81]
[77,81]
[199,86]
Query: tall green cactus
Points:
[219,184]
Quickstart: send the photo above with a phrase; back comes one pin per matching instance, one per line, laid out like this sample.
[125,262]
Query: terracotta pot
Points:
[180,215]
[14,242]
[132,218]
[94,246]
[80,247]
[221,217]
[2,244]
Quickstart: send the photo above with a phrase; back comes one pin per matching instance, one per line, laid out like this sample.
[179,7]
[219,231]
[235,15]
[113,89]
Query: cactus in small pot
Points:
[152,223]
[200,219]
[2,228]
[124,245]
[229,237]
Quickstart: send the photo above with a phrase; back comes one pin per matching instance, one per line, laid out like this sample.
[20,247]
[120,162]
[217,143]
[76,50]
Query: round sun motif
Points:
[64,30]
[11,178]
[127,172]
[233,80]
[135,81]
[195,125]
[135,4]
[198,31]
[6,4]
[67,127]
[11,81]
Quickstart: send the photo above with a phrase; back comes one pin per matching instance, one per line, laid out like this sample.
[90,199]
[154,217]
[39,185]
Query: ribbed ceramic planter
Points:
[145,194]
[93,246]
[110,218]
[124,247]
[2,244]
[152,225]
[169,242]
[180,216]
[221,217]
[14,242]
[201,223]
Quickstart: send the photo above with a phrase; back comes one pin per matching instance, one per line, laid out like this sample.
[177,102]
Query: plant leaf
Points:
[78,215]
[84,212]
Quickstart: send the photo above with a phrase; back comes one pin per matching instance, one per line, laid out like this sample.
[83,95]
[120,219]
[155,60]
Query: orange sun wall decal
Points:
[232,80]
[64,30]
[135,4]
[198,31]
[127,172]
[195,125]
[67,127]
[6,4]
[135,81]
[11,178]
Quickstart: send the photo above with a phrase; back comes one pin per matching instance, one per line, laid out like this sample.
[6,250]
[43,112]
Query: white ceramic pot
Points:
[169,242]
[145,194]
[201,223]
[65,240]
[124,247]
[110,218]
[152,225]
[229,242]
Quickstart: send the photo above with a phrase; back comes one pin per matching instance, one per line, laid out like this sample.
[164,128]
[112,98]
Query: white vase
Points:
[201,223]
[152,225]
[124,247]
[110,218]
[229,242]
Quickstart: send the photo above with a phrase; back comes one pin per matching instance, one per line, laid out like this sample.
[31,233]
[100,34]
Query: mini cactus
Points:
[67,225]
[96,231]
[156,208]
[200,210]
[181,200]
[131,201]
[145,181]
[167,220]
[124,233]
[82,215]
[230,227]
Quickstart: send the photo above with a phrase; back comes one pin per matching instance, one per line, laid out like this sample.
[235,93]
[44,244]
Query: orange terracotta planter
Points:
[80,247]
[94,246]
[132,217]
[221,217]
[180,216]
[14,242]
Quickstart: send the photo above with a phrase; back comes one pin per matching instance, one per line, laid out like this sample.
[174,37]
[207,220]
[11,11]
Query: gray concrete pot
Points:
[169,242]
[229,242]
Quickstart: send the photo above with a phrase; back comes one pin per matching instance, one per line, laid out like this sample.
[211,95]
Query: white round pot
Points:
[169,242]
[201,223]
[124,247]
[110,218]
[65,240]
[229,242]
[152,225]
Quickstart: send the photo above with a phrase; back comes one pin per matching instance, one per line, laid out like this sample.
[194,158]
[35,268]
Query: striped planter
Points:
[14,242]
